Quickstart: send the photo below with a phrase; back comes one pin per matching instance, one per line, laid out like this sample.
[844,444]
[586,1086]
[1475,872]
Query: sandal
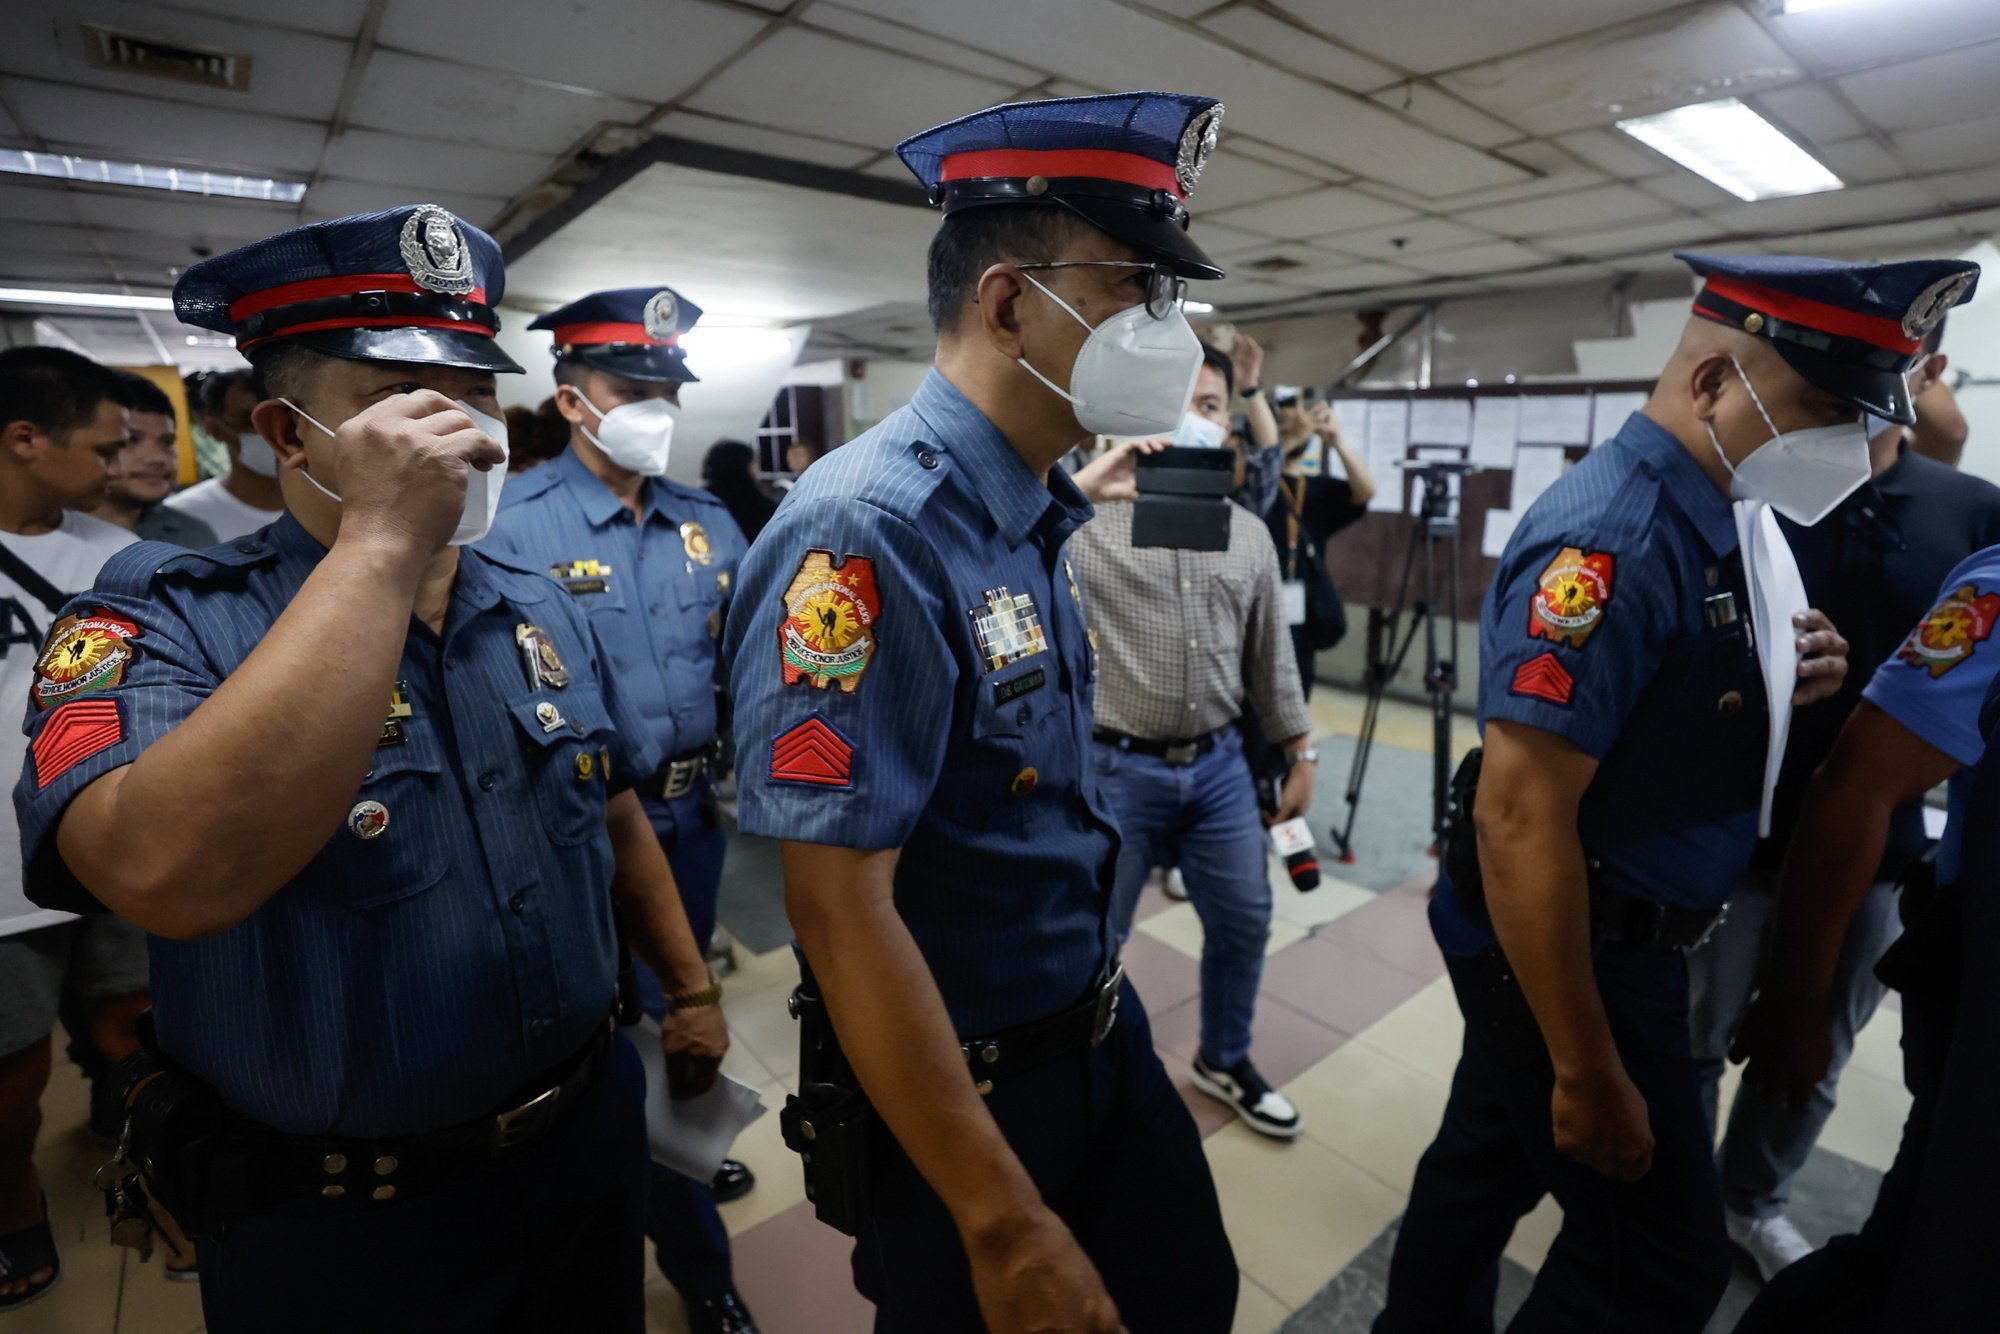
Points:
[28,1252]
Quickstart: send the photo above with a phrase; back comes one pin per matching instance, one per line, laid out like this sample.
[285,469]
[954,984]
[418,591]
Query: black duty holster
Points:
[184,1141]
[829,1122]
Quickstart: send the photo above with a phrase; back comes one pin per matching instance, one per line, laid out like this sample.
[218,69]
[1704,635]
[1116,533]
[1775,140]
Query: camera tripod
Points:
[1390,640]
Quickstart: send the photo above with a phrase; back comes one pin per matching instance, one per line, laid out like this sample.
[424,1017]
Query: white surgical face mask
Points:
[1198,432]
[1133,375]
[254,452]
[1800,474]
[482,489]
[636,436]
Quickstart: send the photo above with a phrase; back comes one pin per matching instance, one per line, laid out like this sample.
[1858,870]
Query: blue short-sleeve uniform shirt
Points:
[656,589]
[1618,620]
[911,668]
[455,938]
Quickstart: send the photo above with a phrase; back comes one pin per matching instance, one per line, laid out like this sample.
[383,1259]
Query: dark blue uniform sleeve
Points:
[1572,633]
[1934,684]
[842,677]
[120,669]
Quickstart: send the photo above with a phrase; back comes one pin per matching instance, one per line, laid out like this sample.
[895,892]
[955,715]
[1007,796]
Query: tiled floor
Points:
[1356,1023]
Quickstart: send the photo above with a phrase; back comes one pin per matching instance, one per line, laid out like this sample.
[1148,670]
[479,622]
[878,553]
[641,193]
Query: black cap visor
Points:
[1884,393]
[1153,234]
[419,346]
[655,363]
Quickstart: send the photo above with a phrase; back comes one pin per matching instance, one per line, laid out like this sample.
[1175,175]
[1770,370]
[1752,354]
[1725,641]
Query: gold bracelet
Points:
[695,1000]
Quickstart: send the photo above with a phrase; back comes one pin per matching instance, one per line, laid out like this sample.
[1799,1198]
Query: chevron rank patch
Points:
[74,732]
[813,753]
[1543,677]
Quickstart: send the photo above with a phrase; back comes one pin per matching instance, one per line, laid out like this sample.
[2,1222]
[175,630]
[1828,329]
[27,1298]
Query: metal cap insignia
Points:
[435,252]
[661,316]
[1197,142]
[1934,301]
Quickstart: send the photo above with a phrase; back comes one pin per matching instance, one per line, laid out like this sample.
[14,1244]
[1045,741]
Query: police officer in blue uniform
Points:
[650,562]
[1626,729]
[387,781]
[912,672]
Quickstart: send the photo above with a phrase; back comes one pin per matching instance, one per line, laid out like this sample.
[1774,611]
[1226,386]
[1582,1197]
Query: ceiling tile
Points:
[936,50]
[1469,33]
[1810,112]
[1940,236]
[1935,91]
[1316,213]
[1679,186]
[1861,161]
[220,224]
[830,85]
[1411,236]
[1967,187]
[442,100]
[1564,213]
[760,139]
[1842,35]
[1231,179]
[338,198]
[1283,44]
[1556,172]
[336,18]
[37,269]
[1969,143]
[648,50]
[1229,293]
[119,125]
[1478,259]
[396,159]
[1689,55]
[1637,237]
[291,73]
[21,201]
[1892,201]
[1612,152]
[1444,113]
[1217,238]
[1242,145]
[1348,276]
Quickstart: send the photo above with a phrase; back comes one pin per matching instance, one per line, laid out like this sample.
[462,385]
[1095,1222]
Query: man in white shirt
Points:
[246,497]
[60,424]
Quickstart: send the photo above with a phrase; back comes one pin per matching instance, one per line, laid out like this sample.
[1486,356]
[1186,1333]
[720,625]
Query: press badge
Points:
[1295,601]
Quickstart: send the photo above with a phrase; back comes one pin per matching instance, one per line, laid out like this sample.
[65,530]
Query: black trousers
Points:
[1643,1257]
[1116,1155]
[547,1239]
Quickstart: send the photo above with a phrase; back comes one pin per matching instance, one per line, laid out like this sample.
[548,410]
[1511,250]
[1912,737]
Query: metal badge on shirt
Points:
[400,712]
[583,576]
[1008,628]
[544,665]
[694,540]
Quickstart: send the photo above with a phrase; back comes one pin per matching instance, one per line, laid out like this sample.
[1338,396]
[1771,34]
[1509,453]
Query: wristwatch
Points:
[1306,756]
[695,1000]
[1251,391]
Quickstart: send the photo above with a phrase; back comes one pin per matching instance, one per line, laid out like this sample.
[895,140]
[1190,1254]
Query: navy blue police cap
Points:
[631,331]
[412,284]
[1123,162]
[1850,329]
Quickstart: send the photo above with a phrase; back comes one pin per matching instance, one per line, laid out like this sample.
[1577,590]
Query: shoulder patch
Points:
[73,733]
[1574,588]
[84,652]
[814,753]
[828,633]
[1961,621]
[1544,677]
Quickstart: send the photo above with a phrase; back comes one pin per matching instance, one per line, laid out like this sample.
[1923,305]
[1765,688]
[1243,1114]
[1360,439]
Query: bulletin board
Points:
[1522,437]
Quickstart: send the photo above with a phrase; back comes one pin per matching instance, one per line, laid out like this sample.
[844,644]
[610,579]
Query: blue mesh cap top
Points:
[1123,162]
[409,284]
[634,332]
[1850,328]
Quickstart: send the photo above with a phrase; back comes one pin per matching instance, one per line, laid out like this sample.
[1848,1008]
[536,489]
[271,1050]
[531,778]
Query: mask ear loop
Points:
[304,472]
[1023,361]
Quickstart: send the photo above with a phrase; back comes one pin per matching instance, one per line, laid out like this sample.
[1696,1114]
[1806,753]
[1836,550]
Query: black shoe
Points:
[725,1315]
[1262,1108]
[732,1182]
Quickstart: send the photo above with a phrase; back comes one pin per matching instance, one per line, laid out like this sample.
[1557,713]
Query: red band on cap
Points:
[378,322]
[345,284]
[605,332]
[1102,163]
[1876,329]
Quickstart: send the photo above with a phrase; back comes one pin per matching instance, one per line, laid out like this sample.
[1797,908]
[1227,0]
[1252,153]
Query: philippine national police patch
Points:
[85,652]
[1957,625]
[828,634]
[1571,597]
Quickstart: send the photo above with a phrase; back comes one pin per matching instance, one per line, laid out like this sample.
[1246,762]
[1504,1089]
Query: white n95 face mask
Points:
[1198,432]
[482,489]
[254,452]
[637,437]
[1133,375]
[1802,475]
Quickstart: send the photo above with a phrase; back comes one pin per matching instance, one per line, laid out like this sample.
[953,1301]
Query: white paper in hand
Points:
[1777,593]
[691,1137]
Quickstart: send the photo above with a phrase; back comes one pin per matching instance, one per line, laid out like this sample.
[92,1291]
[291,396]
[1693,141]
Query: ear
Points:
[995,301]
[571,405]
[1706,383]
[1933,370]
[20,438]
[284,428]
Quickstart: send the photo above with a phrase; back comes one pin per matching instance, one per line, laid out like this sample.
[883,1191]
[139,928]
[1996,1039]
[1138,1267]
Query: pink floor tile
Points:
[1151,900]
[1285,1043]
[1336,985]
[1209,1115]
[1164,976]
[1395,930]
[794,1273]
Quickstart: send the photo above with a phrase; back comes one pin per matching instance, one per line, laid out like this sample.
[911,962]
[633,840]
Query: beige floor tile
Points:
[1534,1234]
[1867,1122]
[665,1313]
[1376,1112]
[760,972]
[1257,1311]
[1333,900]
[1297,1213]
[1425,1032]
[780,1184]
[1180,927]
[1878,1048]
[741,1062]
[763,1024]
[151,1305]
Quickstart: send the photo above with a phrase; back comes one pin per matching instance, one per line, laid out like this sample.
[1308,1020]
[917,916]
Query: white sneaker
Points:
[1173,886]
[1262,1108]
[1772,1242]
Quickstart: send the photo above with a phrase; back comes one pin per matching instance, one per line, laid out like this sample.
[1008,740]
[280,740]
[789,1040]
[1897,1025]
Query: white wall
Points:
[1972,341]
[887,386]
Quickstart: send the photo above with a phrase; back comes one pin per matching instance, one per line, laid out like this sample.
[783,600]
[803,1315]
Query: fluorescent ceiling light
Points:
[1803,6]
[35,296]
[185,180]
[1728,143]
[1198,307]
[735,341]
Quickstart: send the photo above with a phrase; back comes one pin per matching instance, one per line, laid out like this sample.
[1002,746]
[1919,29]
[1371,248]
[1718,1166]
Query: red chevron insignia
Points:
[75,732]
[1544,678]
[815,753]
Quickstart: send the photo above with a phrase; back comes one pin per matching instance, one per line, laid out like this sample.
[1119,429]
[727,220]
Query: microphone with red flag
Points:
[1294,841]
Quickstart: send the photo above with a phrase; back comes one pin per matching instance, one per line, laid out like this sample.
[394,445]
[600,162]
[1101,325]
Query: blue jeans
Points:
[689,1240]
[1202,817]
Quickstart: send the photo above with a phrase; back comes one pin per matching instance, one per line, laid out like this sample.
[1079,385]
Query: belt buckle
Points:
[1185,753]
[680,778]
[517,1126]
[1107,1006]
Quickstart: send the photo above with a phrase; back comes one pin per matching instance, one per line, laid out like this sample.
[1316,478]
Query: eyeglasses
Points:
[1165,289]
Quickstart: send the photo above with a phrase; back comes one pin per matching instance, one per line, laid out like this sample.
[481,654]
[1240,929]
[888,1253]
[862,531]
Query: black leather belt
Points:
[677,777]
[1623,919]
[1026,1046]
[1184,751]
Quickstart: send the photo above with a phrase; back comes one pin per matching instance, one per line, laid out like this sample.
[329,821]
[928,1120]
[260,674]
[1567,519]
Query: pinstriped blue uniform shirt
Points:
[656,590]
[911,669]
[415,979]
[1618,620]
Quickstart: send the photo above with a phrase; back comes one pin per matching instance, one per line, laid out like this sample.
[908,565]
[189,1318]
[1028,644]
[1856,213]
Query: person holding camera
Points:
[1307,511]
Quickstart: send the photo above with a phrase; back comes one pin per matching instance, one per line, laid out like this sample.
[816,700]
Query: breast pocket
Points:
[390,847]
[1016,753]
[566,742]
[1228,612]
[1722,692]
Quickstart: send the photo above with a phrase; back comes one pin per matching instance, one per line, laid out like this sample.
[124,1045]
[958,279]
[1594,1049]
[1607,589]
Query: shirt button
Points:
[487,780]
[1186,586]
[538,1027]
[655,609]
[517,902]
[1190,708]
[451,664]
[926,460]
[1193,643]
